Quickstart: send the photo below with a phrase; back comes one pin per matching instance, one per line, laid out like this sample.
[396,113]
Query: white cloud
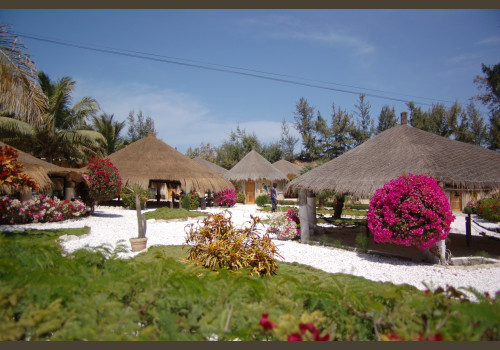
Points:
[492,40]
[336,38]
[180,118]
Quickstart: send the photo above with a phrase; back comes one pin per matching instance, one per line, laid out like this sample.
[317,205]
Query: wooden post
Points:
[303,216]
[68,189]
[311,210]
[468,229]
[158,192]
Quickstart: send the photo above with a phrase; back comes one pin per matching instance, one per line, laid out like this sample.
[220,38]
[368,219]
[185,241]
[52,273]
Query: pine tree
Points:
[365,127]
[387,119]
[341,133]
[287,142]
[303,116]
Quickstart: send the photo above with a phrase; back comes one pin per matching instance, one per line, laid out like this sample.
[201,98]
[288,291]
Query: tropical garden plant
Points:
[110,129]
[226,197]
[489,209]
[40,208]
[103,180]
[285,226]
[262,200]
[217,244]
[411,210]
[11,171]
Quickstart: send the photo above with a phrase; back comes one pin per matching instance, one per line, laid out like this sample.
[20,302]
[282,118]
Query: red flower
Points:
[294,337]
[264,322]
[307,326]
[317,337]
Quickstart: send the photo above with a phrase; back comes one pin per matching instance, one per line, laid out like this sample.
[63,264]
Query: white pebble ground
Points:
[110,225]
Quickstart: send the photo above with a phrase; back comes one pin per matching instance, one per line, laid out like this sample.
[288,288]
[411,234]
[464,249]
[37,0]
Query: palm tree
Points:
[20,95]
[63,133]
[110,129]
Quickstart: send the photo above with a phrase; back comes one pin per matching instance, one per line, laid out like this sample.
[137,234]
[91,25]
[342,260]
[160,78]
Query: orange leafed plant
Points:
[11,171]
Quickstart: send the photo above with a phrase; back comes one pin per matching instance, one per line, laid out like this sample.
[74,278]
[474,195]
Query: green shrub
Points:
[218,244]
[190,201]
[128,196]
[240,198]
[262,200]
[489,209]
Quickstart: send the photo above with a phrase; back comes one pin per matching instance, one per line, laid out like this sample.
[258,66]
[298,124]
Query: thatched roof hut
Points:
[289,169]
[42,171]
[151,160]
[255,167]
[214,167]
[405,149]
[252,169]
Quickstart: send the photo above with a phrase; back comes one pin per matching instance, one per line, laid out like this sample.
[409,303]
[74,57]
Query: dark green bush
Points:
[489,209]
[262,200]
[190,201]
[128,196]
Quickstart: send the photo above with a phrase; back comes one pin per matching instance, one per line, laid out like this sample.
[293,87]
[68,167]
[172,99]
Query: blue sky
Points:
[418,55]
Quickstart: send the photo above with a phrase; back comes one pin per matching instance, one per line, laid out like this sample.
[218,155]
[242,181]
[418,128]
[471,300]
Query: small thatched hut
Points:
[214,167]
[252,172]
[289,169]
[464,171]
[151,163]
[47,175]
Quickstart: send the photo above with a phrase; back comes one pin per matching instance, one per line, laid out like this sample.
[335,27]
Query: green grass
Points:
[93,295]
[166,213]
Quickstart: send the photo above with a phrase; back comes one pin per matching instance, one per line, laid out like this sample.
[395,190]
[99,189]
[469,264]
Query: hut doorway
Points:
[250,192]
[456,201]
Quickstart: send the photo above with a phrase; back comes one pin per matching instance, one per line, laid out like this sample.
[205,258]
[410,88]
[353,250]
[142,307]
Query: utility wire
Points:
[226,69]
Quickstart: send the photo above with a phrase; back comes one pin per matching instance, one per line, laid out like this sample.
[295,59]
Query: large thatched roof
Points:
[254,167]
[404,149]
[151,159]
[287,168]
[214,167]
[40,170]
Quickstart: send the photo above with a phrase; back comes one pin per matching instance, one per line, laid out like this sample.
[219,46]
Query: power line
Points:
[223,68]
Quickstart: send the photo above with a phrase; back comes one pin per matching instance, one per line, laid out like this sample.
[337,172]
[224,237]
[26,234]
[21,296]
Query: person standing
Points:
[274,201]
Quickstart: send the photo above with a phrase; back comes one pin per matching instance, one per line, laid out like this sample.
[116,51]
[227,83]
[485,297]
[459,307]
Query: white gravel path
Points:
[111,225]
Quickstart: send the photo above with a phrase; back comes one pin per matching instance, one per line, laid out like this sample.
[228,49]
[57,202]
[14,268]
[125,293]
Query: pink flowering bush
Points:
[285,226]
[411,210]
[103,179]
[39,209]
[226,197]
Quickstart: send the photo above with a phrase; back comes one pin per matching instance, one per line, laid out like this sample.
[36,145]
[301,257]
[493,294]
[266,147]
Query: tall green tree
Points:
[287,142]
[387,119]
[63,133]
[441,121]
[110,129]
[322,135]
[140,128]
[489,84]
[236,147]
[341,133]
[20,94]
[204,151]
[364,128]
[418,118]
[304,117]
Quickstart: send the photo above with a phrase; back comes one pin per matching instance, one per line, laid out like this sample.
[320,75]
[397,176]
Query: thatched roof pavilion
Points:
[289,169]
[151,160]
[214,167]
[42,171]
[405,149]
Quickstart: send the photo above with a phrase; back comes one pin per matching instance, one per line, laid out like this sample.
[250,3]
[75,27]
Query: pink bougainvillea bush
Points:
[285,226]
[411,210]
[225,198]
[39,209]
[103,179]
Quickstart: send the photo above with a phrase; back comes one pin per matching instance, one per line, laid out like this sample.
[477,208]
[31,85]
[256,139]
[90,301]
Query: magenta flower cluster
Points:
[103,179]
[39,209]
[411,210]
[225,198]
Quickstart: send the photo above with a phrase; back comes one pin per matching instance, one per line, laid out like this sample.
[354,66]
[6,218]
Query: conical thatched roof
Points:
[254,167]
[287,168]
[214,167]
[404,149]
[151,159]
[39,170]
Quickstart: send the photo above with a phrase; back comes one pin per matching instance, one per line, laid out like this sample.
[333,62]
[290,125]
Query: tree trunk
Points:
[339,205]
[303,217]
